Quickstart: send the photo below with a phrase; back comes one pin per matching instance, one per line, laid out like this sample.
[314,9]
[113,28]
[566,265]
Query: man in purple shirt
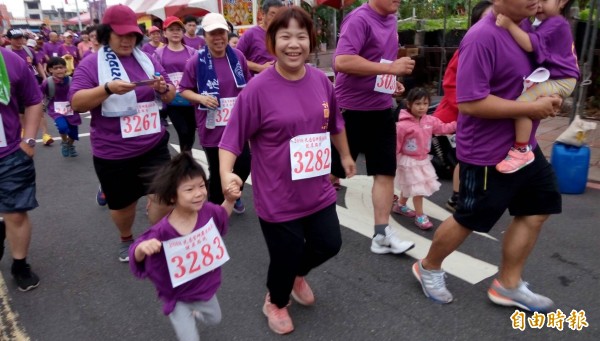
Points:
[252,42]
[367,65]
[53,48]
[190,38]
[490,76]
[18,87]
[17,45]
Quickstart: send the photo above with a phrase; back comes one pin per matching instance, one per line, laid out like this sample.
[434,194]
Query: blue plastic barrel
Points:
[571,165]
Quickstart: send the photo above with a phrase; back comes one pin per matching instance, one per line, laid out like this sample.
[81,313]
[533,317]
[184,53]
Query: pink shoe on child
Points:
[514,161]
[403,210]
[423,222]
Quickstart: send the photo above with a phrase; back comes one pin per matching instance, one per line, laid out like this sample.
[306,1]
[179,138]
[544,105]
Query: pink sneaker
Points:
[302,293]
[279,320]
[514,161]
[403,210]
[423,222]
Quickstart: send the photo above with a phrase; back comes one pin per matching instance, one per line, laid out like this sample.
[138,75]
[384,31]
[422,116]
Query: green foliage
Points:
[428,25]
[432,9]
[585,14]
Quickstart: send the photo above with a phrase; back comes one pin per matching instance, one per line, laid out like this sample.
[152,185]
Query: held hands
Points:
[120,87]
[401,66]
[503,21]
[547,107]
[232,192]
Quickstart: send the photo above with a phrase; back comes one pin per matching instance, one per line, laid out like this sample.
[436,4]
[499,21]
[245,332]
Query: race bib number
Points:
[195,254]
[145,122]
[310,155]
[2,134]
[222,116]
[385,83]
[63,108]
[176,77]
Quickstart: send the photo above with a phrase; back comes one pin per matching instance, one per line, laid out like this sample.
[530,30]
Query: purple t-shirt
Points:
[31,62]
[149,48]
[174,61]
[270,122]
[196,43]
[40,56]
[374,37]
[227,89]
[254,47]
[53,48]
[155,267]
[72,50]
[61,92]
[554,49]
[24,90]
[490,63]
[105,132]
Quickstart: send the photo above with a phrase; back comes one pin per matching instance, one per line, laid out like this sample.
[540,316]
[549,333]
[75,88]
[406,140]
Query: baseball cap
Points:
[14,33]
[170,20]
[31,43]
[67,34]
[121,19]
[213,21]
[153,29]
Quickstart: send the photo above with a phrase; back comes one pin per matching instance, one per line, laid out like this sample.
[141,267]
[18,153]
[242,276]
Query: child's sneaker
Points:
[25,278]
[515,160]
[423,222]
[100,197]
[47,139]
[64,149]
[72,151]
[279,319]
[403,210]
[238,206]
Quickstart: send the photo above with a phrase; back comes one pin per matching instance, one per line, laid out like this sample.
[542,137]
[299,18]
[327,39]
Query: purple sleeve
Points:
[84,77]
[544,36]
[352,38]
[474,84]
[245,42]
[244,121]
[139,268]
[188,80]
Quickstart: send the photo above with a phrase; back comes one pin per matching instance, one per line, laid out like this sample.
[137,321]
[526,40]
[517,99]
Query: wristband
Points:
[107,89]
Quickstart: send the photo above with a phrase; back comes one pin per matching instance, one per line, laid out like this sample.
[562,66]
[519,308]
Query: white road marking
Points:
[9,326]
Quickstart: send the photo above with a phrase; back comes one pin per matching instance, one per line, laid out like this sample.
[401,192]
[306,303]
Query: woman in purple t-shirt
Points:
[119,87]
[290,116]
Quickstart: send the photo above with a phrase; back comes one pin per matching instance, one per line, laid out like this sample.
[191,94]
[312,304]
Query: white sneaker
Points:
[390,243]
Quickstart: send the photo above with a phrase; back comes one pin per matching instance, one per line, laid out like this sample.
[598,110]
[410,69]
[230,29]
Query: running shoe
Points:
[514,161]
[124,250]
[423,222]
[403,210]
[64,149]
[25,278]
[390,243]
[452,202]
[433,283]
[73,151]
[279,319]
[239,207]
[302,292]
[100,197]
[47,139]
[520,297]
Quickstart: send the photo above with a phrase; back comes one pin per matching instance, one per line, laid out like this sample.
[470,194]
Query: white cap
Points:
[213,21]
[31,43]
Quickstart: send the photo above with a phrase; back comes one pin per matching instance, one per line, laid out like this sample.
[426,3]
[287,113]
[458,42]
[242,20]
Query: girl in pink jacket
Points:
[415,175]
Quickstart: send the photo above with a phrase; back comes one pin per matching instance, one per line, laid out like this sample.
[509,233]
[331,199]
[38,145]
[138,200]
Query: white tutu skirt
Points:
[415,177]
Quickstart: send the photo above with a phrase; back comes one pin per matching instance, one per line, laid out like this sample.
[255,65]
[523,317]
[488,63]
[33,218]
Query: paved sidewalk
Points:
[549,130]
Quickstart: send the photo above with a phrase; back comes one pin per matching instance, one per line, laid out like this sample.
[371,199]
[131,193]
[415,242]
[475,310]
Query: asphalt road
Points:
[86,294]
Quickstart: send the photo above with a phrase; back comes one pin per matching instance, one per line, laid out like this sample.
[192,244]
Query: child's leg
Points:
[418,202]
[523,126]
[63,130]
[209,312]
[403,200]
[184,322]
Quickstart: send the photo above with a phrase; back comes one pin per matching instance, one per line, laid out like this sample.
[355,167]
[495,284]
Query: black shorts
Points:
[125,181]
[17,183]
[485,193]
[374,134]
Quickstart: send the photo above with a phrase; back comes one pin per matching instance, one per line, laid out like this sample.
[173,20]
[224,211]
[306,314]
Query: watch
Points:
[107,89]
[30,142]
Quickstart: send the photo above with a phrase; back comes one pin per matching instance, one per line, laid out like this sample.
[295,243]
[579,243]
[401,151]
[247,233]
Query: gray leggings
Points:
[184,317]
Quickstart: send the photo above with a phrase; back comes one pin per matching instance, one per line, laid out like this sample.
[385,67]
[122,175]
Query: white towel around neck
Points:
[109,69]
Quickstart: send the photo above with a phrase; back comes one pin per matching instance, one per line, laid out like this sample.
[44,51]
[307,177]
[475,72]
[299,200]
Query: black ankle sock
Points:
[380,229]
[19,264]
